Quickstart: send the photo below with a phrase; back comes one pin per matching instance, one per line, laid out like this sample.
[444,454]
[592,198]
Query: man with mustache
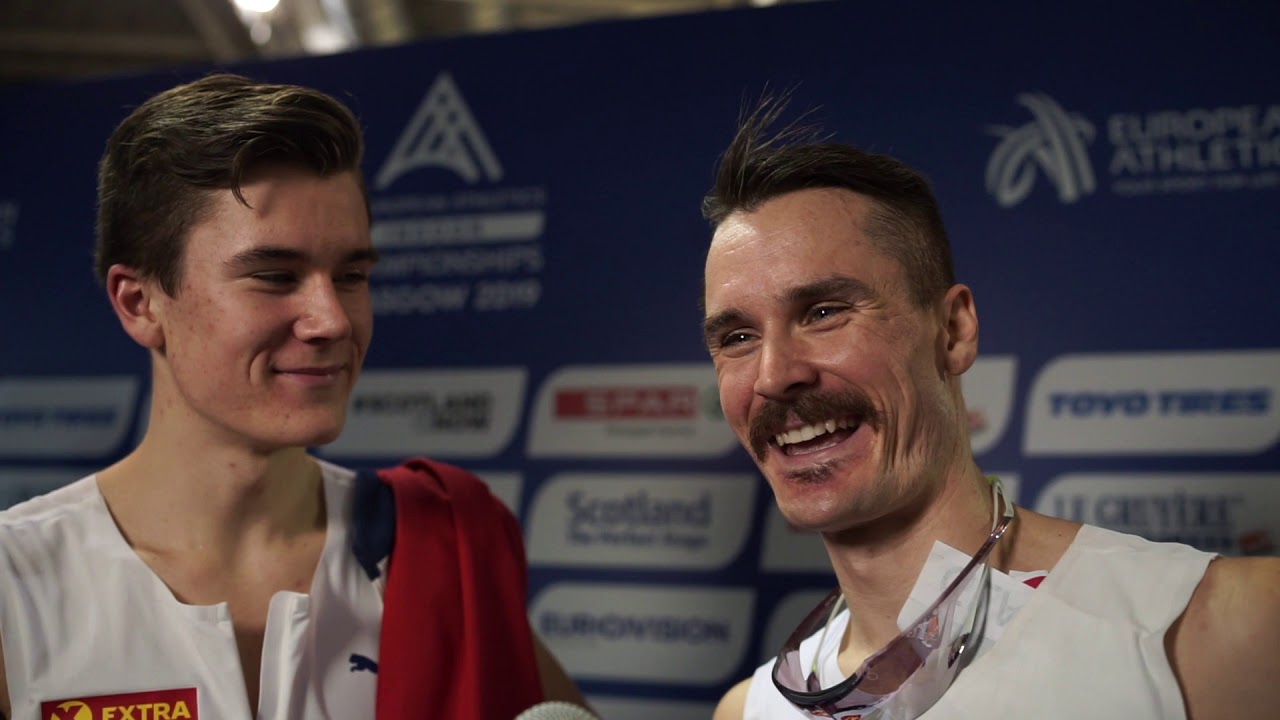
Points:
[219,570]
[839,335]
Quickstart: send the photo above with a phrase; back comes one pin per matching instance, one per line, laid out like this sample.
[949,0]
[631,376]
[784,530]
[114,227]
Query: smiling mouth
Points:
[814,437]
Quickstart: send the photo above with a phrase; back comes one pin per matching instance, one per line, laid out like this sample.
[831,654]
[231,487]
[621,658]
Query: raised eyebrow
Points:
[715,325]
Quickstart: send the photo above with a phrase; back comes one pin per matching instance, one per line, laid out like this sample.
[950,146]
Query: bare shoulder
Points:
[733,706]
[1225,649]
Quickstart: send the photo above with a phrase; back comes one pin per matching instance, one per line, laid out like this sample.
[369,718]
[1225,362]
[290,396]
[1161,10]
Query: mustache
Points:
[809,408]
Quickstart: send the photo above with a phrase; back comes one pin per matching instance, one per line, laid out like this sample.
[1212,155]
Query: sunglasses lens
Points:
[905,677]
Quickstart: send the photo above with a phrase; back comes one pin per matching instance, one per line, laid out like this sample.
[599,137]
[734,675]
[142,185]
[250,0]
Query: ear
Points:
[134,299]
[960,329]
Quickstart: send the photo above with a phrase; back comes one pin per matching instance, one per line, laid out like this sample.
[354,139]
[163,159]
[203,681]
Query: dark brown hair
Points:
[904,224]
[162,164]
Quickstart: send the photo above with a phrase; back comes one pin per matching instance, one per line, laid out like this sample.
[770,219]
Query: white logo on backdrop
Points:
[506,486]
[65,417]
[1054,143]
[1228,513]
[449,413]
[18,484]
[630,411]
[1186,403]
[620,708]
[988,398]
[443,134]
[660,521]
[645,633]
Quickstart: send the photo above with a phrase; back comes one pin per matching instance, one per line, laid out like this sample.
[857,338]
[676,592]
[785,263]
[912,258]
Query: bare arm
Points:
[733,706]
[1225,649]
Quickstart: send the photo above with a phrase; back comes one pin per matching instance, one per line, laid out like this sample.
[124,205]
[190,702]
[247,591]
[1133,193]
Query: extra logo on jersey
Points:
[442,134]
[179,704]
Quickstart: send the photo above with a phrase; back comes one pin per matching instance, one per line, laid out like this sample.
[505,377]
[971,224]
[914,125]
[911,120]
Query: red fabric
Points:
[456,641]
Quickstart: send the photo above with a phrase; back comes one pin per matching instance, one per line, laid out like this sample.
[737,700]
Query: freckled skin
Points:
[233,332]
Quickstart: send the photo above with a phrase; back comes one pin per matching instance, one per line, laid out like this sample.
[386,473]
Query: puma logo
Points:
[362,663]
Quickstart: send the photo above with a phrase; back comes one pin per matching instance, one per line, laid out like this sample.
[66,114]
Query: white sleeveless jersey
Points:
[90,632]
[1088,644]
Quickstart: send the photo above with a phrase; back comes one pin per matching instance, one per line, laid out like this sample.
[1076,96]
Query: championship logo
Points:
[442,134]
[1054,144]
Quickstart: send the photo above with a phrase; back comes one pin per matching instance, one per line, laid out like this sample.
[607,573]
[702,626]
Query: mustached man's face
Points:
[839,385]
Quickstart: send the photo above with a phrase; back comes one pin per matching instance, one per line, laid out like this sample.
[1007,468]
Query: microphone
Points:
[556,710]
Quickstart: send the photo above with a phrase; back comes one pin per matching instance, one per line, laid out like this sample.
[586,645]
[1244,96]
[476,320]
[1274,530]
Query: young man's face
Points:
[815,339]
[265,337]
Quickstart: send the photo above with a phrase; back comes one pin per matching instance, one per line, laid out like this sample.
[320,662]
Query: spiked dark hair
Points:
[905,222]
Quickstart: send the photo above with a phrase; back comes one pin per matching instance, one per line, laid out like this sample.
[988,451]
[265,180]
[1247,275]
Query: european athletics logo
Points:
[442,134]
[1055,142]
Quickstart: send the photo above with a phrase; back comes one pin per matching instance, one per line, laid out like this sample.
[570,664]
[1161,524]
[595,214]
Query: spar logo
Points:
[443,134]
[627,402]
[177,704]
[1054,144]
[631,410]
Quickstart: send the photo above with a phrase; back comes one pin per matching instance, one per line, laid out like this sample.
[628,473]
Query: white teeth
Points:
[810,432]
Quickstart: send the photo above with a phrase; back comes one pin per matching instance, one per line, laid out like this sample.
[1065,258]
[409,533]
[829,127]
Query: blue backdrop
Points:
[1109,180]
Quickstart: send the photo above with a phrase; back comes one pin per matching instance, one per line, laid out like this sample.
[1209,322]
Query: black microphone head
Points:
[556,710]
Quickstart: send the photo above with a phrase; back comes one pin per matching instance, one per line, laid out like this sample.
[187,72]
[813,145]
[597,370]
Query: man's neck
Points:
[877,565]
[167,498]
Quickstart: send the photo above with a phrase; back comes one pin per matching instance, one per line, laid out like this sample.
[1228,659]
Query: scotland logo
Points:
[1054,142]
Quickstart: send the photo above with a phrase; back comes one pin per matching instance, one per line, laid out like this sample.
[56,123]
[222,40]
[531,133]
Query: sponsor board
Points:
[444,413]
[645,633]
[505,486]
[44,417]
[787,615]
[1226,513]
[618,708]
[474,248]
[19,484]
[988,397]
[670,410]
[1139,152]
[787,549]
[676,521]
[1187,403]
